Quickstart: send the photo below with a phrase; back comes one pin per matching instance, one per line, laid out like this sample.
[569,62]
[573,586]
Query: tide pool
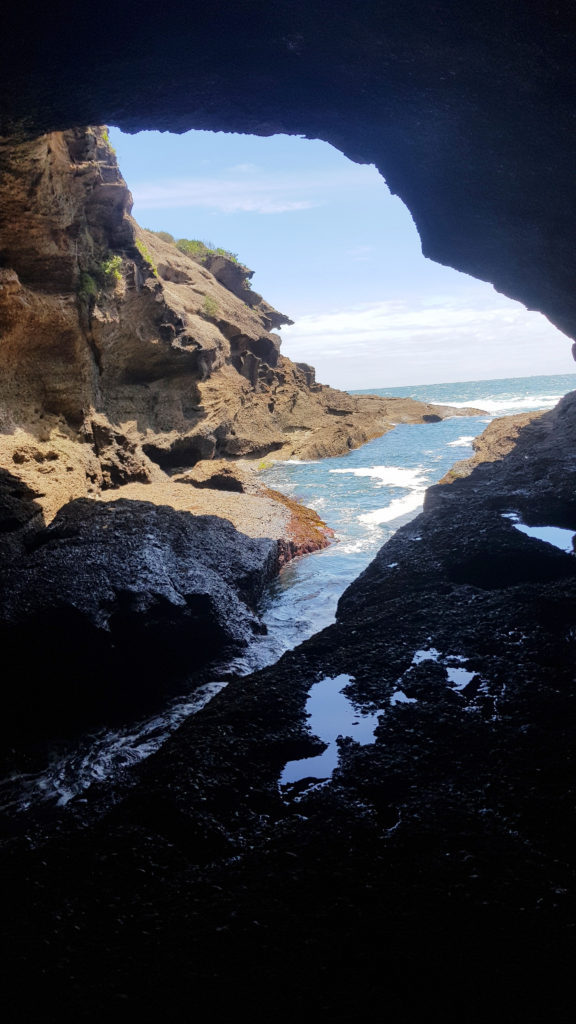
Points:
[364,496]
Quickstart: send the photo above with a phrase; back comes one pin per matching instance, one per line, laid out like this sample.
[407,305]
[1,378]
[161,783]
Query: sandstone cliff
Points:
[125,367]
[122,356]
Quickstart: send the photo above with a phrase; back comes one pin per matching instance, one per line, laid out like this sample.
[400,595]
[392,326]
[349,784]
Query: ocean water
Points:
[368,493]
[364,496]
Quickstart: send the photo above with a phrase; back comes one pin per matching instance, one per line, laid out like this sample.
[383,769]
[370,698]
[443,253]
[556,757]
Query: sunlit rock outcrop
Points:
[120,354]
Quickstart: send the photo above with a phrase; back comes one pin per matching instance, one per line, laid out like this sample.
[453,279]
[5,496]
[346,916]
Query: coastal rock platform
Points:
[439,852]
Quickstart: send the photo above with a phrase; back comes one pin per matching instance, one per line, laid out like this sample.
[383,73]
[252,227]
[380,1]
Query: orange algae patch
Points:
[306,532]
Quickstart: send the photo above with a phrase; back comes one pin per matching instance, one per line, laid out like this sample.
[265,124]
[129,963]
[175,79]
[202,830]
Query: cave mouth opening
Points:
[340,254]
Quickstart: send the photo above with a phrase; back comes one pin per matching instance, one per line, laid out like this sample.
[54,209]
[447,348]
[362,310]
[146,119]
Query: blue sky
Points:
[332,248]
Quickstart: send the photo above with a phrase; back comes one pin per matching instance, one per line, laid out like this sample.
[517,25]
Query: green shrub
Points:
[196,248]
[147,255]
[210,307]
[106,140]
[164,235]
[104,274]
[233,256]
[110,269]
[87,287]
[192,247]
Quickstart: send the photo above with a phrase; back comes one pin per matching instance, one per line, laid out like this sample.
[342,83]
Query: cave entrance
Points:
[337,252]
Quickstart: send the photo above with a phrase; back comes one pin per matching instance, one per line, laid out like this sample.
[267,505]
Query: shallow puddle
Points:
[458,678]
[332,714]
[556,535]
[399,697]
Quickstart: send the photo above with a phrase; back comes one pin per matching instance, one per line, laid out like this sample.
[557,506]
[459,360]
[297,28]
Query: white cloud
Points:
[400,342]
[243,169]
[360,253]
[244,188]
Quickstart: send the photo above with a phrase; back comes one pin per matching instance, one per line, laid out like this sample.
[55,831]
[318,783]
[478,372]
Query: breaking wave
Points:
[460,442]
[397,508]
[391,476]
[507,406]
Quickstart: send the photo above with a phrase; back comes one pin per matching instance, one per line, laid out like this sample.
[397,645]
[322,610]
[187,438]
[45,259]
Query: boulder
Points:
[115,603]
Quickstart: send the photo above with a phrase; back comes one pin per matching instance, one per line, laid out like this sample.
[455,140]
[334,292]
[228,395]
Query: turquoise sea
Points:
[368,493]
[364,496]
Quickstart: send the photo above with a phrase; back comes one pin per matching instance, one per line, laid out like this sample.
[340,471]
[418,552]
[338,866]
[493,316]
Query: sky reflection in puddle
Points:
[556,535]
[331,714]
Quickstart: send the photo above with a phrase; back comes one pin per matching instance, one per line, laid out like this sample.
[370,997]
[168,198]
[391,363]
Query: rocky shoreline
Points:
[434,875]
[119,602]
[136,541]
[441,850]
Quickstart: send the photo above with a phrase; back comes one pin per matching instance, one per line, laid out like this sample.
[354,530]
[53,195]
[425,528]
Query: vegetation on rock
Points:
[147,255]
[210,307]
[200,250]
[104,274]
[109,270]
[87,287]
[164,236]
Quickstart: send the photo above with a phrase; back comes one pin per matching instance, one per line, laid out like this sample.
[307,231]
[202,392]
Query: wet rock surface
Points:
[113,605]
[431,872]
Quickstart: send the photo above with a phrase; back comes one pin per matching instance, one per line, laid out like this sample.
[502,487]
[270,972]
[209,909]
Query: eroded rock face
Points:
[122,357]
[466,109]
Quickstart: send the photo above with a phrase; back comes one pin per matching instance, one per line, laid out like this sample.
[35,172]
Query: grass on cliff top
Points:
[195,247]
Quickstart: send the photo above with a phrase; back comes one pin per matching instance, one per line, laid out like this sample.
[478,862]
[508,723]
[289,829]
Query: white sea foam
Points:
[293,462]
[353,547]
[398,507]
[390,476]
[460,442]
[507,405]
[103,755]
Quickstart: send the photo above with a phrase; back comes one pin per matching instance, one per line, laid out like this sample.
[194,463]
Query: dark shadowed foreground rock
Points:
[111,601]
[431,876]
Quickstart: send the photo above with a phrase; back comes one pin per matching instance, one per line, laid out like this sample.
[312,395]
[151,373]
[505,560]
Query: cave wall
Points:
[465,106]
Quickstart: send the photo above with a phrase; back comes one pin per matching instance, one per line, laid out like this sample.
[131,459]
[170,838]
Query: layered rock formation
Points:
[122,360]
[149,358]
